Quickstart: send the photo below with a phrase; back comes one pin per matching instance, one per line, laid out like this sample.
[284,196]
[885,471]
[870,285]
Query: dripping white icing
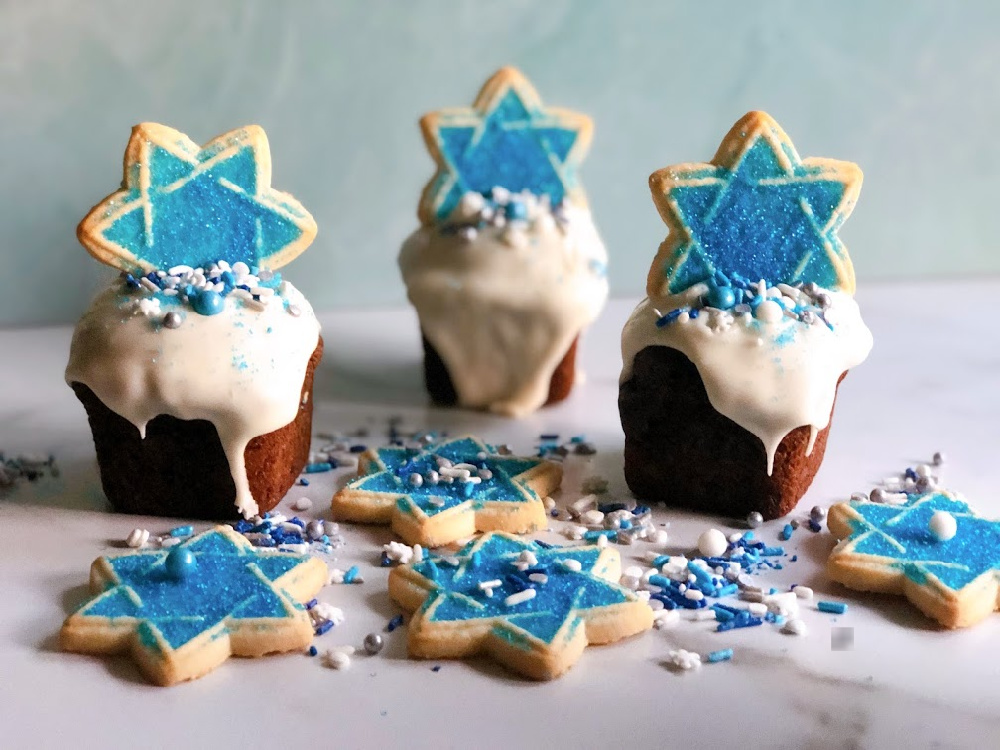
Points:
[502,311]
[241,369]
[768,377]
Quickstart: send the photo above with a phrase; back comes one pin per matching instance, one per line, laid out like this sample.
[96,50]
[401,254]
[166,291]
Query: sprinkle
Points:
[394,623]
[786,532]
[318,467]
[803,592]
[182,531]
[337,659]
[724,654]
[137,538]
[684,660]
[312,651]
[520,597]
[833,608]
[353,575]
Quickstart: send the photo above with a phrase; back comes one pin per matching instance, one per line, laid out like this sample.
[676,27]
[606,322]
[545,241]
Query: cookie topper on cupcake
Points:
[757,210]
[185,205]
[507,138]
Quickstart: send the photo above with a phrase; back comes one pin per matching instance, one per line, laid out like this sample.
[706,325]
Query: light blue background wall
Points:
[910,90]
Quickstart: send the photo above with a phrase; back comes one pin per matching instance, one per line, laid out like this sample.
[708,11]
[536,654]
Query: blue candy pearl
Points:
[180,563]
[517,211]
[208,303]
[722,297]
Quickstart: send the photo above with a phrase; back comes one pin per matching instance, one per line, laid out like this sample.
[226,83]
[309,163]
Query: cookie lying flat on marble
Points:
[447,491]
[930,547]
[182,612]
[507,267]
[196,364]
[532,607]
[733,361]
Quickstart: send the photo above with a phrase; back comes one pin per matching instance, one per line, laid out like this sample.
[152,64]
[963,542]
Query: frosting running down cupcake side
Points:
[241,369]
[502,301]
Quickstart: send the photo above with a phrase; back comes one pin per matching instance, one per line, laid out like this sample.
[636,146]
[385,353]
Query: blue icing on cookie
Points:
[506,139]
[397,464]
[185,205]
[553,612]
[228,581]
[757,210]
[900,534]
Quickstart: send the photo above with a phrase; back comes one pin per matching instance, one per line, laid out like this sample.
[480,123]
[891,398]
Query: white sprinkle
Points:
[712,543]
[659,537]
[923,470]
[336,659]
[240,268]
[302,503]
[442,462]
[418,553]
[803,592]
[794,627]
[336,575]
[137,538]
[747,595]
[584,504]
[527,556]
[685,659]
[168,541]
[490,585]
[592,517]
[665,618]
[702,615]
[437,502]
[299,549]
[519,598]
[448,471]
[694,595]
[548,502]
[180,270]
[758,609]
[538,578]
[485,474]
[943,525]
[327,612]
[574,532]
[570,564]
[602,541]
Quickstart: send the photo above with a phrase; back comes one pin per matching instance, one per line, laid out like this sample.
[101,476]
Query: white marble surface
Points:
[932,383]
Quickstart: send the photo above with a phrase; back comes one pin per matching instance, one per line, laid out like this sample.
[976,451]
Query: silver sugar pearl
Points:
[373,643]
[818,513]
[938,458]
[315,529]
[824,300]
[926,484]
[172,319]
[877,495]
[754,519]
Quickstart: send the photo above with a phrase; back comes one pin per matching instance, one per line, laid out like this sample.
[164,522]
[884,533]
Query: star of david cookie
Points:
[182,612]
[532,607]
[507,138]
[185,205]
[756,210]
[448,491]
[953,578]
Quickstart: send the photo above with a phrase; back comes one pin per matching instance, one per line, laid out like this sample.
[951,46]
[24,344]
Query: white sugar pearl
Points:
[769,311]
[712,543]
[943,525]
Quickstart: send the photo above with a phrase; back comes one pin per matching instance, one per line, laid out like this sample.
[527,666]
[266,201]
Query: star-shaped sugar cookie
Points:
[185,205]
[231,599]
[757,210]
[448,491]
[532,607]
[506,139]
[891,549]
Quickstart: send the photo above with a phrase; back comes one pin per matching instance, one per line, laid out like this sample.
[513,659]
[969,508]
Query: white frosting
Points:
[768,376]
[503,307]
[241,369]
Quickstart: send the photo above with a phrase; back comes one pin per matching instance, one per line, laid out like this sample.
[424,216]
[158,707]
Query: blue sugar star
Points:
[956,581]
[506,139]
[185,205]
[508,497]
[757,210]
[475,602]
[231,599]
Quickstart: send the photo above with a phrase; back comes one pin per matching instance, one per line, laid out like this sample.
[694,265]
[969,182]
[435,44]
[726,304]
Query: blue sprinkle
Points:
[554,513]
[833,608]
[351,574]
[385,561]
[694,313]
[748,536]
[544,545]
[723,615]
[724,654]
[611,507]
[814,527]
[578,438]
[318,467]
[596,534]
[394,623]
[700,573]
[243,526]
[436,668]
[311,603]
[670,317]
[182,531]
[795,558]
[911,474]
[728,590]
[516,210]
[549,437]
[772,551]
[323,627]
[358,448]
[786,533]
[313,651]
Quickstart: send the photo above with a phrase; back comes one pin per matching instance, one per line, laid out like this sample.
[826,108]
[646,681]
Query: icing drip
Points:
[502,308]
[241,369]
[769,377]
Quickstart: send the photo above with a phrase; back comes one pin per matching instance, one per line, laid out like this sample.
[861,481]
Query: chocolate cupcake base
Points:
[442,389]
[180,468]
[680,451]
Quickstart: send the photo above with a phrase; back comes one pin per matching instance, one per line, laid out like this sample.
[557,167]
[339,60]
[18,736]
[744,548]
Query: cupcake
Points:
[507,268]
[195,365]
[731,364]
